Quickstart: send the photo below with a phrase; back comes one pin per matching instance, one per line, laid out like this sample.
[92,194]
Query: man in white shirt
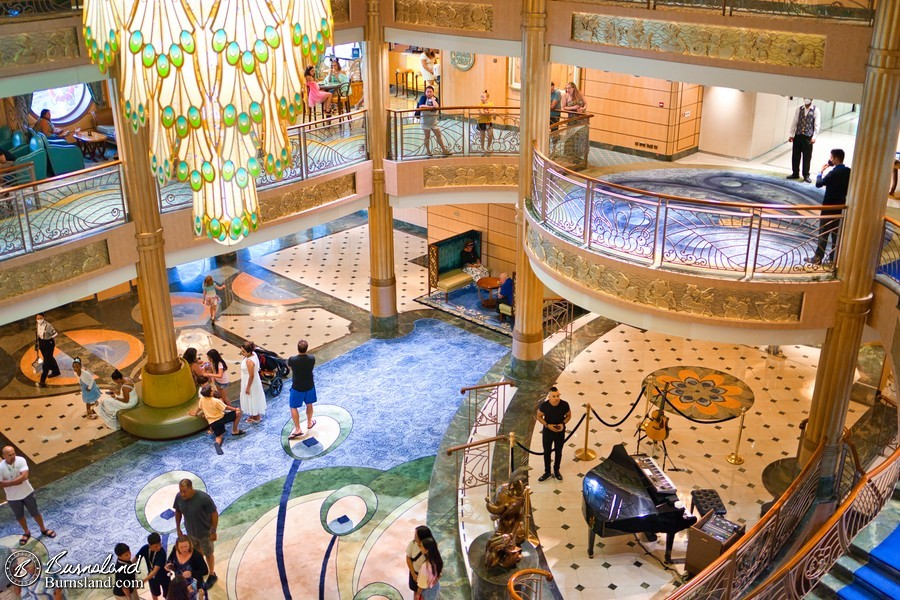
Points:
[20,494]
[804,131]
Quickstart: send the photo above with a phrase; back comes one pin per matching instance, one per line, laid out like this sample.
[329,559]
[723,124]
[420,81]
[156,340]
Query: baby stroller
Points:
[272,370]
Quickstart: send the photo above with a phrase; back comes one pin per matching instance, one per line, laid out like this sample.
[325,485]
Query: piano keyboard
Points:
[657,478]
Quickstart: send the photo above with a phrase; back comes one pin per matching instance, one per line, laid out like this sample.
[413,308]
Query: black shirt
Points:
[302,369]
[836,183]
[154,559]
[554,415]
[468,257]
[121,577]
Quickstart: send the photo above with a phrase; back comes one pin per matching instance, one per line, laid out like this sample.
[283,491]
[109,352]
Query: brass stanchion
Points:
[735,458]
[586,453]
[512,445]
[529,533]
[648,384]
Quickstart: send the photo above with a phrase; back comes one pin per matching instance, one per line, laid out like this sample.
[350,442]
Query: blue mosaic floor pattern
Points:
[401,394]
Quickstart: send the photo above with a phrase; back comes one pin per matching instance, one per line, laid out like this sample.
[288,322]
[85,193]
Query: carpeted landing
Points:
[330,513]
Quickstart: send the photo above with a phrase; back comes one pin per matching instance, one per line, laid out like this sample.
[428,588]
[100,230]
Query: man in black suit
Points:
[835,183]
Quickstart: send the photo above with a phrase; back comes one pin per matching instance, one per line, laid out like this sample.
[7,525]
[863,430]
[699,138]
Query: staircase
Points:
[871,570]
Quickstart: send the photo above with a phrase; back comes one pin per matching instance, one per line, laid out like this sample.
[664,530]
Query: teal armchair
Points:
[5,136]
[17,145]
[61,158]
[37,156]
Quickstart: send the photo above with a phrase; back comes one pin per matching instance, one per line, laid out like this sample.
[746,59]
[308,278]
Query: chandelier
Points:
[217,82]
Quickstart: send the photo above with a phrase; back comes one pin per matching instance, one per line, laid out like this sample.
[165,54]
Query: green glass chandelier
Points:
[217,82]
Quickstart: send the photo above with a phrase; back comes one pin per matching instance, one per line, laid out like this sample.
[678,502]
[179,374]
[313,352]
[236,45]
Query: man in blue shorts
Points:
[303,389]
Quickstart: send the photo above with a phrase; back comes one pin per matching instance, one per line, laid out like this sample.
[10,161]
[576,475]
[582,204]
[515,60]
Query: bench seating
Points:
[444,267]
[151,423]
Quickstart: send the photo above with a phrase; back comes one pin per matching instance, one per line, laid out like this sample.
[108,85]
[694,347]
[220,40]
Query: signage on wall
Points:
[355,53]
[462,60]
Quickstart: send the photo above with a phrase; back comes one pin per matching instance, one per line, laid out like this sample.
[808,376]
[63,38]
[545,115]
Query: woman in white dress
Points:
[253,396]
[123,396]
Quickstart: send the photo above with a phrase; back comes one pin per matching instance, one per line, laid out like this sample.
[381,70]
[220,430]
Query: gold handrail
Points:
[485,385]
[716,203]
[475,107]
[453,449]
[892,221]
[58,178]
[514,580]
[830,524]
[772,513]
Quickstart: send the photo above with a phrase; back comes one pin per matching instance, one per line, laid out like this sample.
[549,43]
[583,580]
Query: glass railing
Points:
[453,131]
[848,10]
[317,148]
[720,239]
[53,211]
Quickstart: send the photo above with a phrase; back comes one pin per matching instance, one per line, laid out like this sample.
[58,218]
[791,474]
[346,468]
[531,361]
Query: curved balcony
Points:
[45,213]
[689,266]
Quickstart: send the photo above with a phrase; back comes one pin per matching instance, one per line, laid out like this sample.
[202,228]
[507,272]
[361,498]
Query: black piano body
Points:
[619,499]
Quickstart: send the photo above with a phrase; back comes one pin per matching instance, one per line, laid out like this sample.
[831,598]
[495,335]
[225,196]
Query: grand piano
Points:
[625,494]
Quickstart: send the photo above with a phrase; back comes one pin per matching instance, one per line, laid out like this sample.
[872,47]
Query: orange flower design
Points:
[702,392]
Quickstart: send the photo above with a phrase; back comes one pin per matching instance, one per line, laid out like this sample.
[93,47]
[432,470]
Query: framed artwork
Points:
[462,60]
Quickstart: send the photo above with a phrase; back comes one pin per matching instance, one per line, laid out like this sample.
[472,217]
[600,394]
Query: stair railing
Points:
[528,584]
[487,404]
[733,572]
[800,574]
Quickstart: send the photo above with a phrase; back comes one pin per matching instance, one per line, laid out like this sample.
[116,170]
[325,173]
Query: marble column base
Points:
[384,327]
[525,369]
[490,584]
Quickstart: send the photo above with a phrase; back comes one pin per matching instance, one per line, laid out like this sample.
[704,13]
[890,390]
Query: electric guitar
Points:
[657,428]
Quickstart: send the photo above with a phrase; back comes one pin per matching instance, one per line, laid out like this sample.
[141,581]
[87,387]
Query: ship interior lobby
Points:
[329,514]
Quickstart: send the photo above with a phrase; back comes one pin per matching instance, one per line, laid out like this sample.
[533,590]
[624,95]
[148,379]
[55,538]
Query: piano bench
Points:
[706,501]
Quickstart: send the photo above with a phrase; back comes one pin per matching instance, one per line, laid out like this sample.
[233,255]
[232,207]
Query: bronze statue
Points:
[508,511]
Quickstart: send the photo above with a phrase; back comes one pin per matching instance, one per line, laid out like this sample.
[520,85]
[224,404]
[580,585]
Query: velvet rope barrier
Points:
[577,425]
[695,420]
[631,410]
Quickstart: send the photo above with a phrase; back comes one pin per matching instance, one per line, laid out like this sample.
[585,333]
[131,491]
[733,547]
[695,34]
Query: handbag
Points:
[37,365]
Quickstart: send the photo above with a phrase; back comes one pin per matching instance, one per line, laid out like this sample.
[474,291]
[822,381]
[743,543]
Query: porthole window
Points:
[66,104]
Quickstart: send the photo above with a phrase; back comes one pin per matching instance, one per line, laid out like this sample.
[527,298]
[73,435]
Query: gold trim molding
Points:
[340,11]
[785,49]
[446,15]
[299,200]
[53,270]
[671,296]
[38,47]
[472,176]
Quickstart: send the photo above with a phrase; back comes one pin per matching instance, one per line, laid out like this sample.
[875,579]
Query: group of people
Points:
[472,266]
[423,559]
[572,103]
[314,94]
[188,570]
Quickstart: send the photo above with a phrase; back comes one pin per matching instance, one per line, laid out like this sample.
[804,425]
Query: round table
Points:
[490,285]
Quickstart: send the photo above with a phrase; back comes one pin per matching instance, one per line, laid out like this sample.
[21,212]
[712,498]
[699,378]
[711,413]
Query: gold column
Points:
[873,155]
[528,337]
[164,382]
[382,281]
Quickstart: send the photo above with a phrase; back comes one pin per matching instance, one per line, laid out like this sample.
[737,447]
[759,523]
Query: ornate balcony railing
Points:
[570,141]
[796,578]
[848,10]
[52,211]
[721,239]
[459,131]
[317,147]
[11,9]
[731,574]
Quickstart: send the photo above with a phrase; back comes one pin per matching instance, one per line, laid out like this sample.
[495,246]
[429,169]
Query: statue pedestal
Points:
[490,584]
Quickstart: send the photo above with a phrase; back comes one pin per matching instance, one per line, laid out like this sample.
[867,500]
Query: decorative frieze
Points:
[681,297]
[786,49]
[446,15]
[38,47]
[340,11]
[299,200]
[16,281]
[472,176]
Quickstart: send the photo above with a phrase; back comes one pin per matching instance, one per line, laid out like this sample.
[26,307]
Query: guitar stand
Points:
[666,458]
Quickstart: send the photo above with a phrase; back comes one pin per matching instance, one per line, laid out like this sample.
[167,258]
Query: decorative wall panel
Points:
[713,301]
[340,11]
[725,43]
[56,269]
[38,47]
[447,15]
[438,177]
[297,201]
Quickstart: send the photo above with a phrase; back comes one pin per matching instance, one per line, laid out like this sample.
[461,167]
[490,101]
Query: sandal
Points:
[311,425]
[295,434]
[24,539]
[238,432]
[48,533]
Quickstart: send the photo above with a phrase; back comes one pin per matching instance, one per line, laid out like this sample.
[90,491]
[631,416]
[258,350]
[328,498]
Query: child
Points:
[154,554]
[217,414]
[125,580]
[90,391]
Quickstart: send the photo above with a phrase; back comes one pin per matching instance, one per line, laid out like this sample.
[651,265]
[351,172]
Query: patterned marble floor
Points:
[608,374]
